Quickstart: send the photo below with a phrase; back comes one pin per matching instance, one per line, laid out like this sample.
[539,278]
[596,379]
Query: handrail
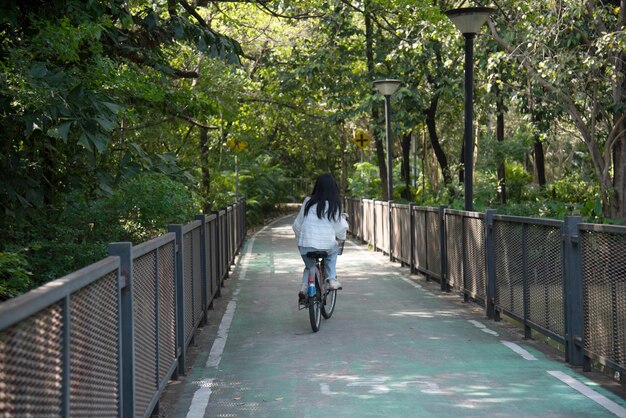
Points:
[559,278]
[122,324]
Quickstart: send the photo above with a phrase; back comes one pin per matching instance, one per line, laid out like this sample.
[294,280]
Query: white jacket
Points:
[314,232]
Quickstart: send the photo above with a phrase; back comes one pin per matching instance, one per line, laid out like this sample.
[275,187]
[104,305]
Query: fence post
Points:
[573,292]
[203,267]
[390,226]
[218,248]
[491,264]
[443,259]
[124,250]
[412,240]
[374,224]
[180,295]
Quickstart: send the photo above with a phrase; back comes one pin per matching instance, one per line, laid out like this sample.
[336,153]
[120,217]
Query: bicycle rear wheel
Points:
[328,304]
[315,314]
[315,302]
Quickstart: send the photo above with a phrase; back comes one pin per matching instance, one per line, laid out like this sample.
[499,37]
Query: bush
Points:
[138,210]
[262,182]
[14,276]
[365,182]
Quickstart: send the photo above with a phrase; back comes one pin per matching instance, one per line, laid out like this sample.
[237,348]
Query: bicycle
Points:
[320,298]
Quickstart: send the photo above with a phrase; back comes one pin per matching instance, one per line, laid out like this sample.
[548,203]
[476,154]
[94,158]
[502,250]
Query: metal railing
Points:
[563,279]
[106,339]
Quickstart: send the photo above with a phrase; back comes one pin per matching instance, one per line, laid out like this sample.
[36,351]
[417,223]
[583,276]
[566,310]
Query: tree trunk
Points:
[405,170]
[369,55]
[618,204]
[540,167]
[205,185]
[618,207]
[430,113]
[500,139]
[462,164]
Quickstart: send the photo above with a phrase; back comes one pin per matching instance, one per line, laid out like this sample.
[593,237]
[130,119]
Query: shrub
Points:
[14,276]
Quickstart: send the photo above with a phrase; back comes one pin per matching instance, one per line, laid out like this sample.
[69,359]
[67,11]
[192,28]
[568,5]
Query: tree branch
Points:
[196,123]
[283,104]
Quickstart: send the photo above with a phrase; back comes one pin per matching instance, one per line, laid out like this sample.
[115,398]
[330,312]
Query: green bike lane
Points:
[395,347]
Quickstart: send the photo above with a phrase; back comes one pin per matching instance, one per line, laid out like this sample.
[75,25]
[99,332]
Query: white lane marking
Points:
[519,350]
[222,335]
[325,388]
[200,399]
[412,283]
[202,396]
[602,400]
[482,327]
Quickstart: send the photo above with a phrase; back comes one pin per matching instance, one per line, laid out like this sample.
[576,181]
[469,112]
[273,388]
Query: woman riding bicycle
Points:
[318,226]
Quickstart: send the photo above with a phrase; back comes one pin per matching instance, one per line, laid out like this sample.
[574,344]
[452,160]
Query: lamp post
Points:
[387,88]
[469,20]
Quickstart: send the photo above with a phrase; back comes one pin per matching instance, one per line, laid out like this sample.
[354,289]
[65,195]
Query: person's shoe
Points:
[301,298]
[334,284]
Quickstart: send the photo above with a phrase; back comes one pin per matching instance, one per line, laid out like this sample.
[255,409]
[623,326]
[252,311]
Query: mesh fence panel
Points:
[357,220]
[544,275]
[384,222]
[475,263]
[188,286]
[30,366]
[378,214]
[509,275]
[454,250]
[197,277]
[396,234]
[94,341]
[214,263]
[434,248]
[144,311]
[419,219]
[405,226]
[604,294]
[368,220]
[401,225]
[167,309]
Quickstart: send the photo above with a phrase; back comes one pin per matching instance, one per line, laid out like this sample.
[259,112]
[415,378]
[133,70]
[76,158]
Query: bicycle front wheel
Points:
[328,304]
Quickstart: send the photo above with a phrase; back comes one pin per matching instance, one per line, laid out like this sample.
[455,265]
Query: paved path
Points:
[395,347]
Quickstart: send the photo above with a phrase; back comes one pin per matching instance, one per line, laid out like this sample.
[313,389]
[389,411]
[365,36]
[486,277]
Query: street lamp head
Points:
[469,20]
[387,87]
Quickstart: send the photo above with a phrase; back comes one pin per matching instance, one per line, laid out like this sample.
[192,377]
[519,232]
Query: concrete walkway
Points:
[395,347]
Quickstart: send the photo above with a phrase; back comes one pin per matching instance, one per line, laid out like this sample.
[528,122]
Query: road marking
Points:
[482,327]
[519,350]
[202,396]
[412,283]
[325,388]
[602,400]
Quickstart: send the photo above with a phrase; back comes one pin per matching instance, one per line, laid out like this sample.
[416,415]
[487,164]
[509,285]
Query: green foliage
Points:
[14,275]
[517,181]
[140,209]
[264,185]
[365,182]
[144,205]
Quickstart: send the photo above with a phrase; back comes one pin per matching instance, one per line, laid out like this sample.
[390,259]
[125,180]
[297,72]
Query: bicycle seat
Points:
[317,254]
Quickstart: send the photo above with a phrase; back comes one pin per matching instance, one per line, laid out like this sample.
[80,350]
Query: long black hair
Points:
[326,195]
